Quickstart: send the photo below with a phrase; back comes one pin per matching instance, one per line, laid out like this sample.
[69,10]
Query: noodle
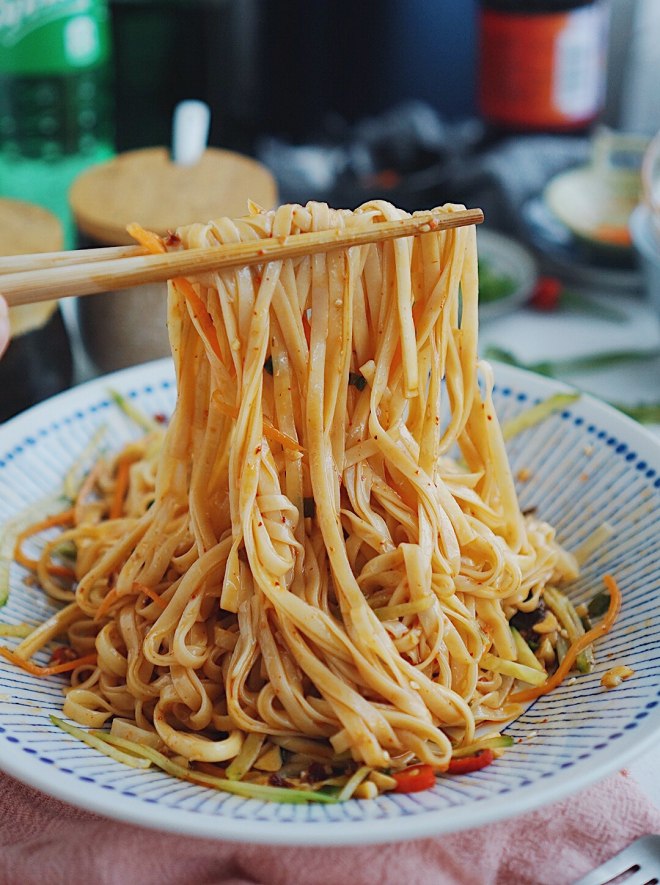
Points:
[324,548]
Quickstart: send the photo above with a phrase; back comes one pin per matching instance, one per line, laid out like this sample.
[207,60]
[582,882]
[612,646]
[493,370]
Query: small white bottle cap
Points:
[190,132]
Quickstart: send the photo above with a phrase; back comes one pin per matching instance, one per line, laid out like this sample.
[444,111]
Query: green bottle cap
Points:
[52,36]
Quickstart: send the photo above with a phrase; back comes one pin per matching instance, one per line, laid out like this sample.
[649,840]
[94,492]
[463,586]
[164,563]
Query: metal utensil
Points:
[639,863]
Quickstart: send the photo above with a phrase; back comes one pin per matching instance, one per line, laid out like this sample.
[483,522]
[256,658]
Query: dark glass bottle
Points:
[542,63]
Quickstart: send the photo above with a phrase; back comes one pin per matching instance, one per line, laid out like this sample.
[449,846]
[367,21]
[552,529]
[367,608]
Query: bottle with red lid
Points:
[542,63]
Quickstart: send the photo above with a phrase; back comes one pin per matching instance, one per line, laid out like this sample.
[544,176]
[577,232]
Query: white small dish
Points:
[595,201]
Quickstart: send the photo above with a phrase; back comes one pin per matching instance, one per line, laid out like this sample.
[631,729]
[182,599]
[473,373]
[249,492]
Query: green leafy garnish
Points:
[493,286]
[645,413]
[554,368]
[355,379]
[598,605]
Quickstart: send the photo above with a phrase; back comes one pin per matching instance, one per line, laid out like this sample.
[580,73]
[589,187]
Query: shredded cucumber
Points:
[393,612]
[537,413]
[496,742]
[16,631]
[525,655]
[97,743]
[137,415]
[239,788]
[530,675]
[564,610]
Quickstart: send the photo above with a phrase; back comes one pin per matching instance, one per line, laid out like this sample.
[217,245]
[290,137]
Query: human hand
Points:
[4,325]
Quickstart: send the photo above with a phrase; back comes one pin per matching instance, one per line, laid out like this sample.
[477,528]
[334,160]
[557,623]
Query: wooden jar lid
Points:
[147,187]
[26,228]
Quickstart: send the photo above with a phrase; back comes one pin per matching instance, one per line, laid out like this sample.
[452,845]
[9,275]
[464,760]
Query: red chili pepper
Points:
[160,418]
[471,763]
[307,327]
[547,294]
[62,655]
[414,779]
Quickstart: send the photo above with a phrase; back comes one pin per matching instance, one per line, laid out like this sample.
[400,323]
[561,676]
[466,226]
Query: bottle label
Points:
[52,36]
[543,70]
[577,85]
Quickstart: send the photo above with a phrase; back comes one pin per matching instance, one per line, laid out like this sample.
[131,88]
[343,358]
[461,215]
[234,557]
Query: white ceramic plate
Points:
[586,465]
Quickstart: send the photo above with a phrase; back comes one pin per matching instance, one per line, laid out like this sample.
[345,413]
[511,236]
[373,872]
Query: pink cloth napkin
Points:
[45,842]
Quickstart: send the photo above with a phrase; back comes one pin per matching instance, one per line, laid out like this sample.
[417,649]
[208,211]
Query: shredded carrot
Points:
[36,670]
[147,238]
[275,435]
[153,596]
[108,600]
[63,518]
[529,694]
[269,431]
[56,519]
[201,314]
[57,571]
[307,327]
[121,487]
[154,243]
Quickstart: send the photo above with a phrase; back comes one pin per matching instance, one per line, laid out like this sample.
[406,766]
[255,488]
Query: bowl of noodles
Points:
[326,571]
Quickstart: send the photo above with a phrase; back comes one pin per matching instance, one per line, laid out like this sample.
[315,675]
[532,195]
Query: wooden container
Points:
[125,328]
[38,361]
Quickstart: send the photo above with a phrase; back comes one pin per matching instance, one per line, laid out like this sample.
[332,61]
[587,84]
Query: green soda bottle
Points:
[55,98]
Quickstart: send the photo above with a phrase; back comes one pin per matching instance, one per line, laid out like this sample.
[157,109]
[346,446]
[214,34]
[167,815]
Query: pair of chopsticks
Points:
[27,279]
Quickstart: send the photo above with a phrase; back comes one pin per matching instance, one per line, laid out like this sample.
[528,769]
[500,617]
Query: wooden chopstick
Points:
[38,260]
[52,276]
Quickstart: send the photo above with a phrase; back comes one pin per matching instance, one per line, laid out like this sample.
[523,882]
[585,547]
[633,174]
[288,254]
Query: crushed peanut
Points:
[382,781]
[546,652]
[548,625]
[366,790]
[615,676]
